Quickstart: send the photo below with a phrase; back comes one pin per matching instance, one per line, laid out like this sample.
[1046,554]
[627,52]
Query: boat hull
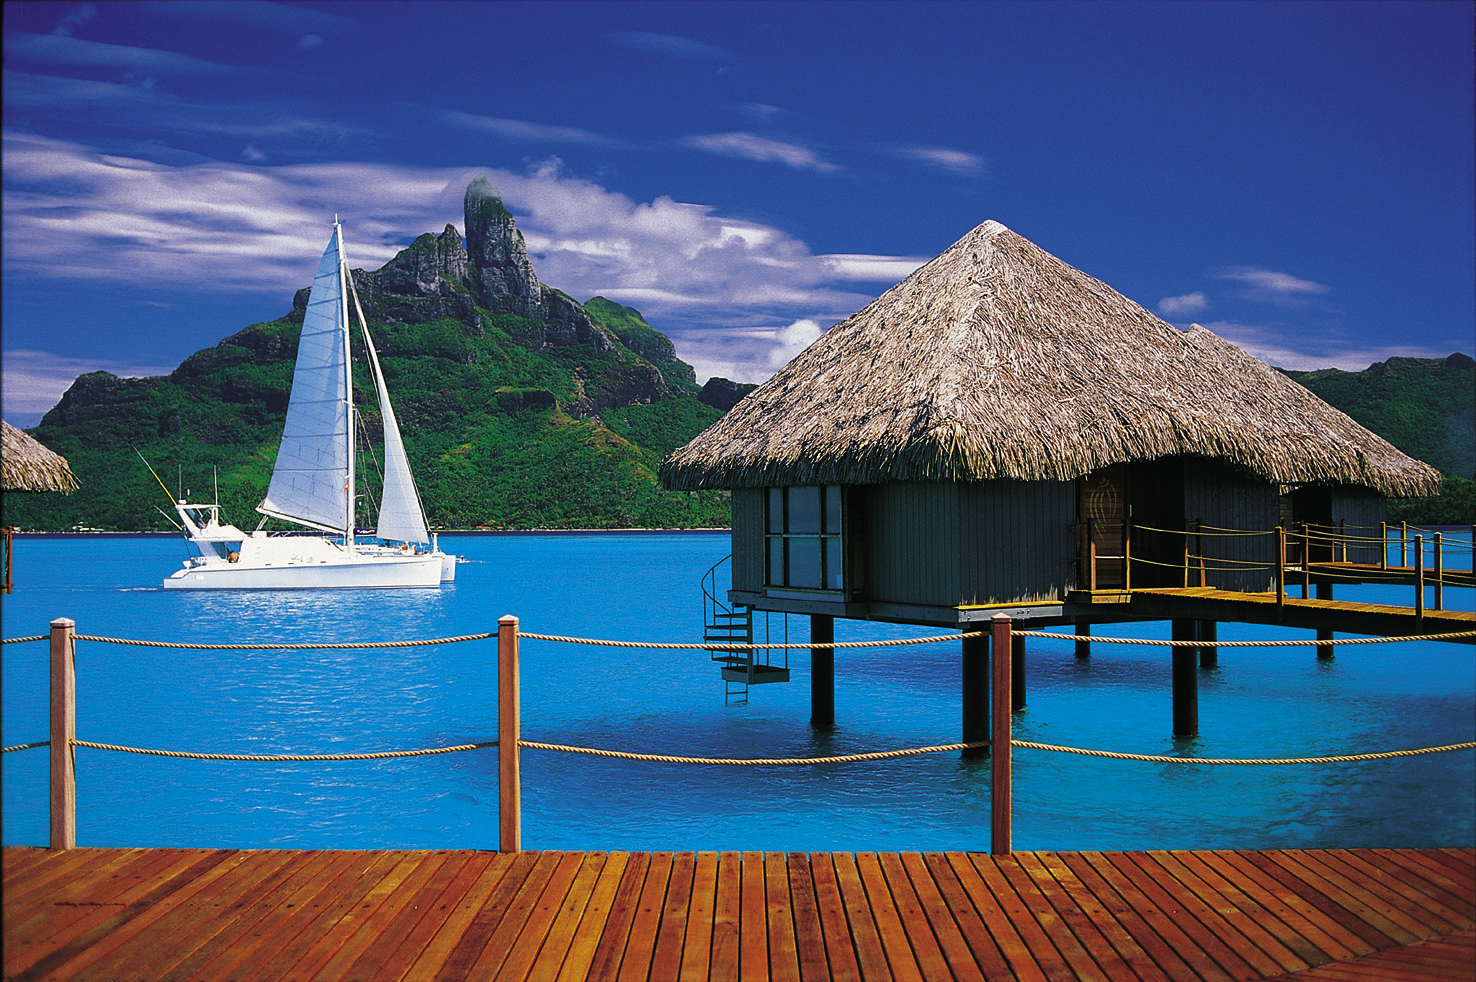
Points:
[347,573]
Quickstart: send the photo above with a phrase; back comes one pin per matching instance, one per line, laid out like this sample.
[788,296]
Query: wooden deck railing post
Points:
[1306,561]
[1280,566]
[1403,543]
[1092,555]
[509,780]
[1419,556]
[1127,555]
[1439,575]
[1000,793]
[1383,545]
[63,732]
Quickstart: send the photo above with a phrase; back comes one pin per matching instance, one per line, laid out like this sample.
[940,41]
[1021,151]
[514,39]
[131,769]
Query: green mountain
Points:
[1425,407]
[520,408]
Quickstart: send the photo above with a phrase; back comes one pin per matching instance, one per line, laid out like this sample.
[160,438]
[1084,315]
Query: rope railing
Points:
[64,742]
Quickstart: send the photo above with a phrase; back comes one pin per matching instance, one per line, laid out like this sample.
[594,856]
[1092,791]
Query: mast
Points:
[348,385]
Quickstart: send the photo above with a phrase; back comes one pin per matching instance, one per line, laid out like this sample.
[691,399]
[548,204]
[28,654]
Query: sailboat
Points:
[313,481]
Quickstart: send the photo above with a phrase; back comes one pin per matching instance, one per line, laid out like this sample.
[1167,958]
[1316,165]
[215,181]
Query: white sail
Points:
[310,480]
[401,519]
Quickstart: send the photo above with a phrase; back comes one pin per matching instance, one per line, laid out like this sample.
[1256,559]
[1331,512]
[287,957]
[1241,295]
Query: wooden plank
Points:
[63,907]
[666,958]
[382,906]
[871,955]
[1326,934]
[753,937]
[957,958]
[809,935]
[1371,908]
[530,946]
[399,945]
[591,926]
[1327,899]
[1258,906]
[225,930]
[640,947]
[916,925]
[136,956]
[1460,896]
[727,907]
[1180,888]
[84,931]
[464,899]
[611,948]
[1403,892]
[779,915]
[74,870]
[971,927]
[468,945]
[697,945]
[571,911]
[1137,923]
[1176,921]
[994,911]
[1261,938]
[337,898]
[894,938]
[1037,942]
[1096,920]
[289,916]
[830,908]
[516,918]
[1074,949]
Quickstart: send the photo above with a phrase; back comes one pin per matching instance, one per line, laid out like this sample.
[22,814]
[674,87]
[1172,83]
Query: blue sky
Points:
[1298,177]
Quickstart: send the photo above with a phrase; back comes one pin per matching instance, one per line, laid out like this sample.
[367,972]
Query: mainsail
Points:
[310,482]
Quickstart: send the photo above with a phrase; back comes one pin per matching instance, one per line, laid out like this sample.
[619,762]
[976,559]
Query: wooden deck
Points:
[1347,616]
[1170,916]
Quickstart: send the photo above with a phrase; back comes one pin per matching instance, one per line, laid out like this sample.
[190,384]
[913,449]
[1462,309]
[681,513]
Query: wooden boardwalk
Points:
[1352,617]
[159,914]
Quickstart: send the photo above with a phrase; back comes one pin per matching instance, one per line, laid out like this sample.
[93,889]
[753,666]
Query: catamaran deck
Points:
[1382,914]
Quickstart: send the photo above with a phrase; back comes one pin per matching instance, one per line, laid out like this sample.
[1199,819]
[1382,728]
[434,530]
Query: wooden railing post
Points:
[1001,793]
[1280,566]
[63,732]
[1419,551]
[1383,545]
[1092,555]
[509,779]
[1306,561]
[1127,555]
[1439,575]
[1403,544]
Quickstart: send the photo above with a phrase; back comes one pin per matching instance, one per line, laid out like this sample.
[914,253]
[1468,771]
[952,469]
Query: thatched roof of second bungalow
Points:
[998,360]
[29,466]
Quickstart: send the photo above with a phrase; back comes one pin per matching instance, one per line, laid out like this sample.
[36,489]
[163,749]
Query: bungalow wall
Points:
[1359,513]
[1220,497]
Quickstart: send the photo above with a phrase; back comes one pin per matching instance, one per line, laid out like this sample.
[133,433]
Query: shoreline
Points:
[99,534]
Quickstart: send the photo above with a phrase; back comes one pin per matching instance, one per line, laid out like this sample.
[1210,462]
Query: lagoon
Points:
[645,586]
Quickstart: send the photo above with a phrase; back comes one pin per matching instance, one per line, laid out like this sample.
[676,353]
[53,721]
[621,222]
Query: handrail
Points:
[63,741]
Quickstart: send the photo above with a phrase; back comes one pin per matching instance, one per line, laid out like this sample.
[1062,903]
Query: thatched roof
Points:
[28,466]
[998,360]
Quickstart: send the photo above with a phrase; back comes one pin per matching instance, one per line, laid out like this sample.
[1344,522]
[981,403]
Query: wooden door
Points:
[1103,503]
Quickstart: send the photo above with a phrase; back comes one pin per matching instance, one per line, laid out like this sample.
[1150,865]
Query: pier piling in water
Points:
[822,672]
[976,671]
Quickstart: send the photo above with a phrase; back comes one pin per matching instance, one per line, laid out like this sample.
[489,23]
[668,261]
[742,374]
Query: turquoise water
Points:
[1257,703]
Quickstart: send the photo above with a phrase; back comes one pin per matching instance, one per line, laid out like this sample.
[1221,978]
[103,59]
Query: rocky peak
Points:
[500,269]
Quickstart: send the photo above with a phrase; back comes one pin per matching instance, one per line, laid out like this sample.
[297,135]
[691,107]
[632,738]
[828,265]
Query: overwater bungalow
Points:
[1000,429]
[26,465]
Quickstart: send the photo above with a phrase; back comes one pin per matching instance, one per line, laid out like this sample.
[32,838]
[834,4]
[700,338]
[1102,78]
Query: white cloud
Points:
[1266,284]
[1189,303]
[669,44]
[309,41]
[750,146]
[63,49]
[35,380]
[944,158]
[521,131]
[873,269]
[74,214]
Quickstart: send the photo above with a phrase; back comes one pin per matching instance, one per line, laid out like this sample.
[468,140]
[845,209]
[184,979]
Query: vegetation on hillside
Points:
[481,416]
[1425,407]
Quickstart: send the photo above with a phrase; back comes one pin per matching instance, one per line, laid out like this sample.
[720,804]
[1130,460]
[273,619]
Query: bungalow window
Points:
[803,539]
